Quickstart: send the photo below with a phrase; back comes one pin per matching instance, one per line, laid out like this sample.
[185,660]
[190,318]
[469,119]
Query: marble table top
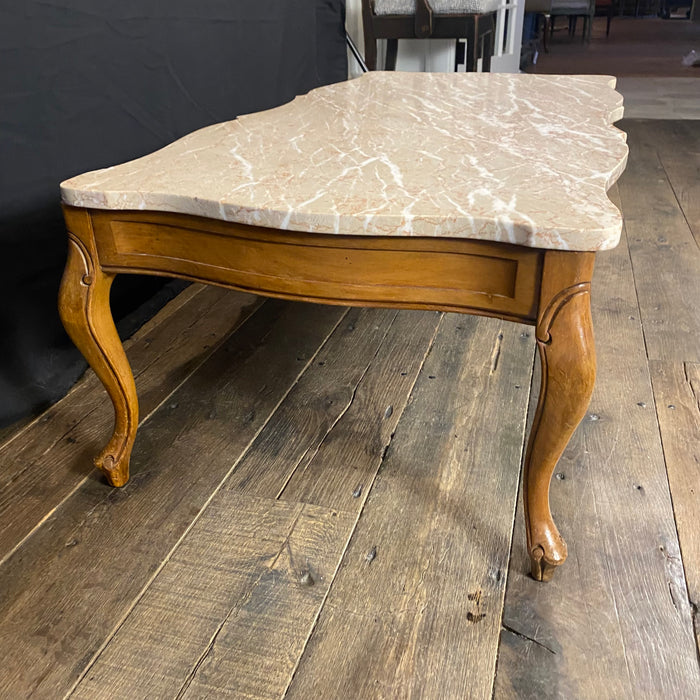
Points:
[523,159]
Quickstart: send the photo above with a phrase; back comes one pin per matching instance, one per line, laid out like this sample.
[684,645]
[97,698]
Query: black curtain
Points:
[89,83]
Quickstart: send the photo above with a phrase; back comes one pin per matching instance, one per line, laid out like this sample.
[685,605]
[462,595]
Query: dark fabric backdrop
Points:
[89,83]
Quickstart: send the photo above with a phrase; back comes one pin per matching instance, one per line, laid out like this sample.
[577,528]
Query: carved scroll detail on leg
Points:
[85,312]
[555,306]
[567,353]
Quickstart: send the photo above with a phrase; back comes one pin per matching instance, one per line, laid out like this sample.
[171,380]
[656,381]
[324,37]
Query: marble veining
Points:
[523,159]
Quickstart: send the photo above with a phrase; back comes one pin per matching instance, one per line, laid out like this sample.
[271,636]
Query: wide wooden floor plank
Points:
[337,471]
[615,621]
[10,432]
[257,649]
[665,256]
[416,605]
[316,404]
[677,395]
[65,591]
[230,612]
[683,172]
[53,456]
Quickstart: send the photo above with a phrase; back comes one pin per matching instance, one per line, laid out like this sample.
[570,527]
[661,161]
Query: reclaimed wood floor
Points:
[324,502]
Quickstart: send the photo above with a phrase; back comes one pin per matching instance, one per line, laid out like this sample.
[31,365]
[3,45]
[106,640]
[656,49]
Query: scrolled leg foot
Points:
[86,315]
[116,471]
[567,354]
[546,547]
[543,563]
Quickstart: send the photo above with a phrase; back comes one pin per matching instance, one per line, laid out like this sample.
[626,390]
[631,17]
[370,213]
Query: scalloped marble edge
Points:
[379,185]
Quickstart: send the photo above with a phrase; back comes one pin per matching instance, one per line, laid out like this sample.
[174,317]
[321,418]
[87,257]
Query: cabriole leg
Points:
[86,315]
[567,353]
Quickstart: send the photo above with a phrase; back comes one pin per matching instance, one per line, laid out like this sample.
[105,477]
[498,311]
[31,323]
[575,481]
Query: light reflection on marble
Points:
[523,159]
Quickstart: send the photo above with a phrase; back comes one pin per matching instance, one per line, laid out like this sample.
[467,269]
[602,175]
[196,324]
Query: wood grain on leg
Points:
[565,341]
[84,308]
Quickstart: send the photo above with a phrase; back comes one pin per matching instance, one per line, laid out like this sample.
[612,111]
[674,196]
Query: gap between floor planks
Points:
[677,395]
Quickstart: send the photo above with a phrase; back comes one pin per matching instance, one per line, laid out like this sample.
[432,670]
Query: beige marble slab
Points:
[524,159]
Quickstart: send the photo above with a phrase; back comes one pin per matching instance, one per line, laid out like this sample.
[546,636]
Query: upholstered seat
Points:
[570,6]
[442,7]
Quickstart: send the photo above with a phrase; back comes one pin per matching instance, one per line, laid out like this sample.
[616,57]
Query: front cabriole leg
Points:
[567,353]
[84,308]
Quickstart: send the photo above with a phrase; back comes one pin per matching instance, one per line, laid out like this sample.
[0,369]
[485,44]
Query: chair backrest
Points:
[573,6]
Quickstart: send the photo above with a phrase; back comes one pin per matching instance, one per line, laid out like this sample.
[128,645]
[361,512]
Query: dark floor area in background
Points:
[637,46]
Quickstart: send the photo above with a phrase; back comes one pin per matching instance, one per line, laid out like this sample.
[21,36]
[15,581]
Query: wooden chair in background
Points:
[547,10]
[472,20]
[573,9]
[607,8]
[542,10]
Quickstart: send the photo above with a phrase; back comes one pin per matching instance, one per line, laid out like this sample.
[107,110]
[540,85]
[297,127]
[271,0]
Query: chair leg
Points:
[371,55]
[392,50]
[370,39]
[487,45]
[472,49]
[547,30]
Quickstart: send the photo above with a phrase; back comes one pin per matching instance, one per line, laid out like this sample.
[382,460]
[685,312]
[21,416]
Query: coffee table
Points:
[475,193]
